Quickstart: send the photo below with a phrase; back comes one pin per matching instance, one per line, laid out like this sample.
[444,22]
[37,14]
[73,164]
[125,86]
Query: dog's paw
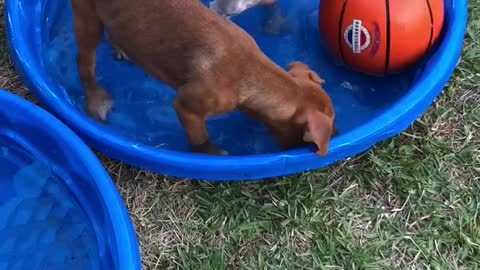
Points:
[99,105]
[209,148]
[222,152]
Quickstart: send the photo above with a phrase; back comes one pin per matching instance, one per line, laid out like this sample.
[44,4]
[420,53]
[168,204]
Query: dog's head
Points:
[313,121]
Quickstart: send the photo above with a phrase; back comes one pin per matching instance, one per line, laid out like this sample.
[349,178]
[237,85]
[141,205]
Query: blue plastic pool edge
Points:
[196,166]
[125,238]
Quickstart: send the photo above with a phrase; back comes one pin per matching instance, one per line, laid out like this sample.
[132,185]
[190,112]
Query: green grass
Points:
[410,203]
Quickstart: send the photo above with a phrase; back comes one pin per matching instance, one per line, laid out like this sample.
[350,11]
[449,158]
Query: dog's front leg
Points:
[193,121]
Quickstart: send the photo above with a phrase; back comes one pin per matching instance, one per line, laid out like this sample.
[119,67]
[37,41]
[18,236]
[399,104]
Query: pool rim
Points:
[127,246]
[250,167]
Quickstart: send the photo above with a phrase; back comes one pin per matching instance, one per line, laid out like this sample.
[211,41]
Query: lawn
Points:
[412,202]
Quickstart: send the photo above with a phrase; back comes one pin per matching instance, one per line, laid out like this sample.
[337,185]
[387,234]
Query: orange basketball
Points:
[380,36]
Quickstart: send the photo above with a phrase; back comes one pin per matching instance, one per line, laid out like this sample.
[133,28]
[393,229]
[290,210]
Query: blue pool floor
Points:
[143,111]
[41,225]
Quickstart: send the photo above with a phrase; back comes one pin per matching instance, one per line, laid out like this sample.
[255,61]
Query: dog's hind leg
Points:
[88,33]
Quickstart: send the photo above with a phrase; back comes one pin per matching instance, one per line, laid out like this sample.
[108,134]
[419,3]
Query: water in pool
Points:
[143,111]
[41,225]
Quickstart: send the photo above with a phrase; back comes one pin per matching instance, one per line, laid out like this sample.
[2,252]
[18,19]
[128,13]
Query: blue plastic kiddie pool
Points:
[58,208]
[144,131]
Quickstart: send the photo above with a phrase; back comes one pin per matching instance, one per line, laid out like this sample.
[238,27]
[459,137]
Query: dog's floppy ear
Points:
[319,130]
[315,78]
[302,71]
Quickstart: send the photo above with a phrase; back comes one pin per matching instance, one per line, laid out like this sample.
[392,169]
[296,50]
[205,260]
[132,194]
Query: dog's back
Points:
[171,39]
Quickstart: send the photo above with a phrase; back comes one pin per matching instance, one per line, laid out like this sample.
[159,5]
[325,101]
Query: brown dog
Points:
[214,65]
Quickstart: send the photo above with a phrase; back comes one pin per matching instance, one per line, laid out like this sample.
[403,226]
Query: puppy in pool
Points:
[214,65]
